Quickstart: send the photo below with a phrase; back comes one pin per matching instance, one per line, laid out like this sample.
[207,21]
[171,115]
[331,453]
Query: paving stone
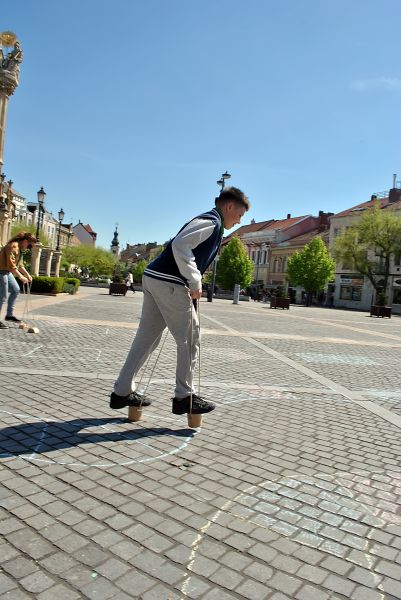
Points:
[99,589]
[6,583]
[158,592]
[60,592]
[20,567]
[58,562]
[391,586]
[285,583]
[253,590]
[36,582]
[135,581]
[340,585]
[308,592]
[311,573]
[364,593]
[226,578]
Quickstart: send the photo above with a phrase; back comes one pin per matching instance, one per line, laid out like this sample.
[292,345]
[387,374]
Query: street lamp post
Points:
[221,182]
[41,201]
[60,220]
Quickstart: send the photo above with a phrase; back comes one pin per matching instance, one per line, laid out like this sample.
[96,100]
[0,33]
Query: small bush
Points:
[48,285]
[73,283]
[69,289]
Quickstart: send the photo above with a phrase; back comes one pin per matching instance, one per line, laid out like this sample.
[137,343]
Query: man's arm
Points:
[196,232]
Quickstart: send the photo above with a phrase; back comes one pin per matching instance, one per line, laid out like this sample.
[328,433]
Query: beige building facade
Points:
[351,289]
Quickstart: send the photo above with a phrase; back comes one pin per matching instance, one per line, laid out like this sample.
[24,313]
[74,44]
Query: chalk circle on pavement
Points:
[92,442]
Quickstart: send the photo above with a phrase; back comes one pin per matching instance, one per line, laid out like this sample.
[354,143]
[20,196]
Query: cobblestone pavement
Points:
[290,490]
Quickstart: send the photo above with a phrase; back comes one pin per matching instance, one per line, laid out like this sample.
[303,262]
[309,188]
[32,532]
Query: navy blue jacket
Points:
[164,267]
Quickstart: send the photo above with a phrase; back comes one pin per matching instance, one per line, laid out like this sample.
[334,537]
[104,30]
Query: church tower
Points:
[115,244]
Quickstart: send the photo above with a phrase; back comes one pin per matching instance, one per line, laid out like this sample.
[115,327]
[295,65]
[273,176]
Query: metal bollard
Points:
[236,293]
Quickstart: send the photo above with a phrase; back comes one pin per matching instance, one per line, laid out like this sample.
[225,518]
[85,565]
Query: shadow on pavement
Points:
[47,436]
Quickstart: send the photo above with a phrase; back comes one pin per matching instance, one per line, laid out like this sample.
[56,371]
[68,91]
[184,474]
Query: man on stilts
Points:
[170,284]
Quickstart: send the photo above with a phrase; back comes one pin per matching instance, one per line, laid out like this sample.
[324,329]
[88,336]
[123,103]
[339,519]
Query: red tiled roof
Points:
[263,225]
[252,227]
[89,229]
[304,238]
[283,223]
[359,207]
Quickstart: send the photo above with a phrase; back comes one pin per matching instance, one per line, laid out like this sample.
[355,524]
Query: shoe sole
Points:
[115,407]
[195,411]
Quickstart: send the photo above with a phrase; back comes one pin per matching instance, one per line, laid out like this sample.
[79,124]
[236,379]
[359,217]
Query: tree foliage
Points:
[367,247]
[137,270]
[95,261]
[312,267]
[18,227]
[234,266]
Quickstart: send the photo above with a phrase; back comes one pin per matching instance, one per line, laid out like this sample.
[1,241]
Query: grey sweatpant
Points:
[164,305]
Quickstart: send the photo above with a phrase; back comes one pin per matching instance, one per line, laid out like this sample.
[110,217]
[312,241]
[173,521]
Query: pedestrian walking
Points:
[171,283]
[130,282]
[12,266]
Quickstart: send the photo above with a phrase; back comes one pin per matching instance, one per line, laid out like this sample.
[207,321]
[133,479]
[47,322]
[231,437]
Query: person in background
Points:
[12,267]
[130,282]
[171,283]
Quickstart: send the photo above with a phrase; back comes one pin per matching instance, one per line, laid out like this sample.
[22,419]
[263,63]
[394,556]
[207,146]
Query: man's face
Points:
[232,214]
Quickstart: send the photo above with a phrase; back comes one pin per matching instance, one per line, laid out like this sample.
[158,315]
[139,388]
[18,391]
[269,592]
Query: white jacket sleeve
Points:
[196,232]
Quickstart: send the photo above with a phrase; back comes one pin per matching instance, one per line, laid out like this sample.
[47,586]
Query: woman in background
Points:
[12,266]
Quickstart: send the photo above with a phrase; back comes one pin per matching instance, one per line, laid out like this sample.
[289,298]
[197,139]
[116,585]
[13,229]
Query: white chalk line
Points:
[32,456]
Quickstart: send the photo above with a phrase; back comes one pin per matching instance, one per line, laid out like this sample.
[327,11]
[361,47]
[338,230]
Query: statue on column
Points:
[10,62]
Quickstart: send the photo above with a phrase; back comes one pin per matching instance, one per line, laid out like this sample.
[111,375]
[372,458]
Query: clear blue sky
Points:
[129,111]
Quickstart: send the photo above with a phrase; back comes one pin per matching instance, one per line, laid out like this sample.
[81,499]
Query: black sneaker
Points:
[3,325]
[132,399]
[199,405]
[14,319]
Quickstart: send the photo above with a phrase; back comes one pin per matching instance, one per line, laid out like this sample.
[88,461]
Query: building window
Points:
[284,265]
[397,258]
[397,296]
[350,292]
[275,265]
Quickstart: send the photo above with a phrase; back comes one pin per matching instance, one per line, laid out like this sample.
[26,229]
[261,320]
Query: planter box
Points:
[279,303]
[380,311]
[119,289]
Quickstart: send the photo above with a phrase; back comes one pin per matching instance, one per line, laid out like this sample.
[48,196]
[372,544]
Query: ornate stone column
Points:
[9,79]
[57,254]
[49,262]
[35,258]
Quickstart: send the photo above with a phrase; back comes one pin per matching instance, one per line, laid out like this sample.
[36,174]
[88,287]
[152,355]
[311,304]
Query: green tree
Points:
[95,261]
[311,268]
[367,247]
[18,227]
[234,266]
[137,270]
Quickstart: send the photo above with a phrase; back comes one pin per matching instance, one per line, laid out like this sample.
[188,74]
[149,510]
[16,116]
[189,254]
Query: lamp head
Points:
[61,215]
[41,195]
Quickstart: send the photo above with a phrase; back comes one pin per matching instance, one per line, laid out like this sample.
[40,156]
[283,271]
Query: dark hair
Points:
[23,235]
[232,194]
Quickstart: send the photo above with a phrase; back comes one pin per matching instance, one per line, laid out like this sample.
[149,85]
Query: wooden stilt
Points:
[134,413]
[22,326]
[194,421]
